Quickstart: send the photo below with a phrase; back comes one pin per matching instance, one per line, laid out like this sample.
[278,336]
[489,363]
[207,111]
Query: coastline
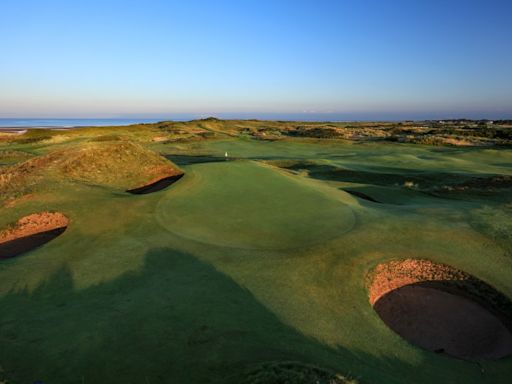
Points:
[11,124]
[13,130]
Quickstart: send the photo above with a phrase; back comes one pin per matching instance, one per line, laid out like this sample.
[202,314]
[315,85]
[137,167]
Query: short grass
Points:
[242,264]
[243,204]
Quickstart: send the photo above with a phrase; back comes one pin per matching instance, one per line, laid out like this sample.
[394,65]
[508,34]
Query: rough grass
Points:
[117,164]
[455,133]
[13,156]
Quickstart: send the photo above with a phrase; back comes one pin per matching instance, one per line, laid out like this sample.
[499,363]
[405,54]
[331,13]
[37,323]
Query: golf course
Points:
[255,252]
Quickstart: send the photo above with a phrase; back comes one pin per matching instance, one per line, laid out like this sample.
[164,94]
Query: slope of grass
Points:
[116,164]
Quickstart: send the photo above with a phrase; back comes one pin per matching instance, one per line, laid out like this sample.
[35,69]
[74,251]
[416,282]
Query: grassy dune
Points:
[115,164]
[242,264]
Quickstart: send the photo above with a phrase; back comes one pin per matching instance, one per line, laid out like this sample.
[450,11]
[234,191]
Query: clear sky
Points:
[353,59]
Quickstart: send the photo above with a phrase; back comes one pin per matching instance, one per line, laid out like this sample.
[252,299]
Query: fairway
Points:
[253,266]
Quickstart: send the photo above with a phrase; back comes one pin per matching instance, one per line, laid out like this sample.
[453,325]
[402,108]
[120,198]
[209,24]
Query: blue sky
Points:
[356,59]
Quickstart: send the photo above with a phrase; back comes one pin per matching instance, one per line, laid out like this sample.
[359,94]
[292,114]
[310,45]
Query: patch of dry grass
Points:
[118,164]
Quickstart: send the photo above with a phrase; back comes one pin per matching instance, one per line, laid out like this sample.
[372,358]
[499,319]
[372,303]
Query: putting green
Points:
[246,205]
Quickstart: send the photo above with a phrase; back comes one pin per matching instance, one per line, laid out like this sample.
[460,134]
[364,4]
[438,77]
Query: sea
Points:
[69,123]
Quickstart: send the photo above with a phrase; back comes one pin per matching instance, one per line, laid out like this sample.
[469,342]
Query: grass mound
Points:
[118,164]
[31,232]
[442,309]
[294,373]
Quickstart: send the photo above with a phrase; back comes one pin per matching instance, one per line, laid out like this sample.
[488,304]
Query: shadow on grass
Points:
[378,176]
[177,320]
[181,160]
[441,185]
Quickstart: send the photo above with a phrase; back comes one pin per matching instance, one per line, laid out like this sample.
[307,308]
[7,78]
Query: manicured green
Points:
[241,204]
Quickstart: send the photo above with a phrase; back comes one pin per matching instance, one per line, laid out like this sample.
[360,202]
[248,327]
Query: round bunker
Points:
[31,232]
[442,309]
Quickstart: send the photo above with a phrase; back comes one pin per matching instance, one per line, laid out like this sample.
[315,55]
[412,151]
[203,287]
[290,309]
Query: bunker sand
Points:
[31,232]
[442,309]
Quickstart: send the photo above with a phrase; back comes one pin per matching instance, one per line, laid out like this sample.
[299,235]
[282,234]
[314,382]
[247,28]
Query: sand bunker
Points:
[157,185]
[442,309]
[361,195]
[31,232]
